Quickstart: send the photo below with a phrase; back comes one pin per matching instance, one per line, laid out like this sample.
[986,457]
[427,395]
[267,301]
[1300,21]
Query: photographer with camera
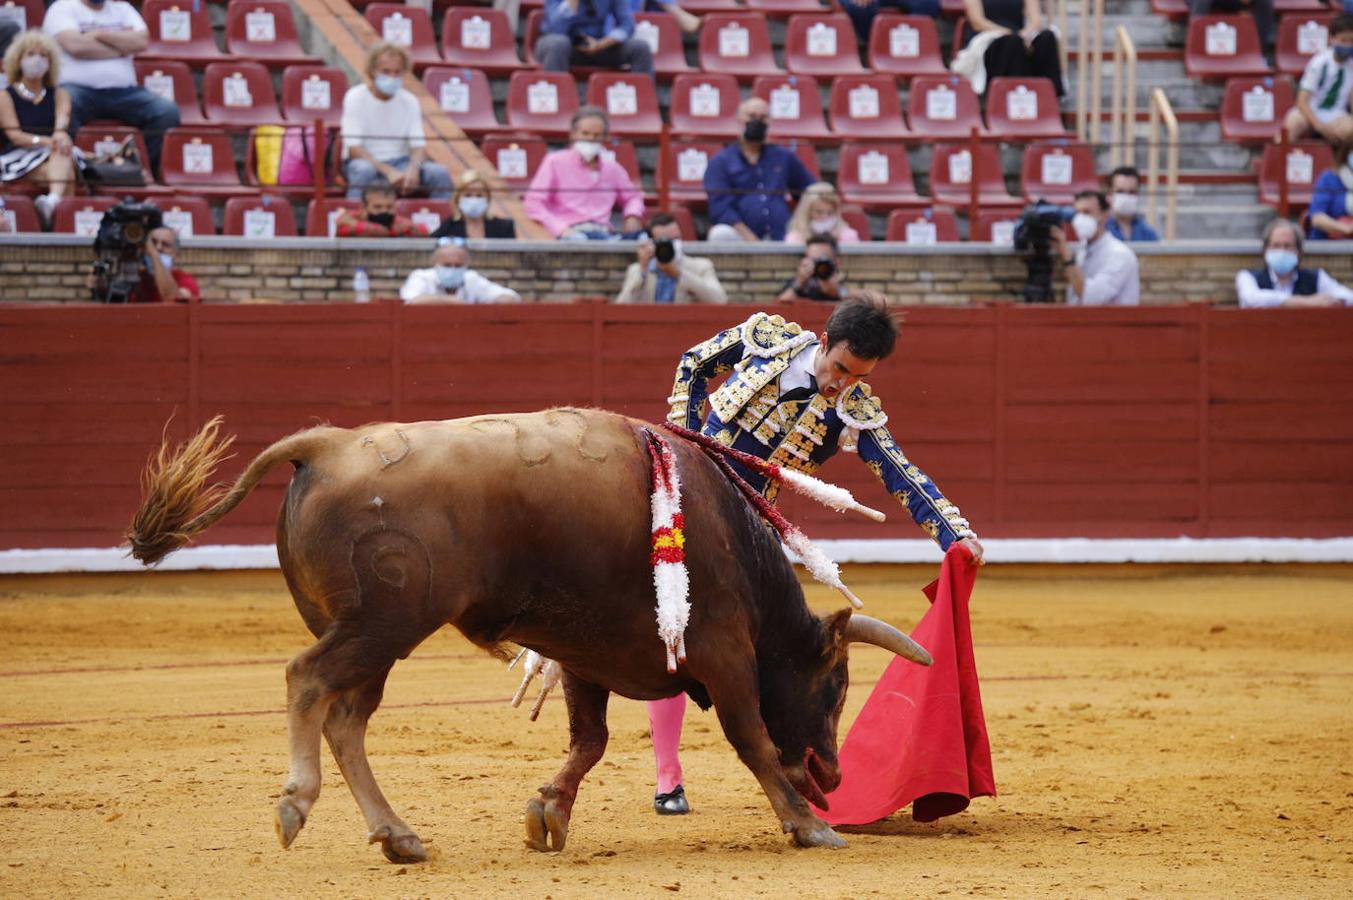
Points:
[662,273]
[1100,269]
[819,276]
[135,259]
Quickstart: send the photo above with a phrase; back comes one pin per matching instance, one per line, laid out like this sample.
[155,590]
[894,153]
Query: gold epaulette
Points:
[859,409]
[766,335]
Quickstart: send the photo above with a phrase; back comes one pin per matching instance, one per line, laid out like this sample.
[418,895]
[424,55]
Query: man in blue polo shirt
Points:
[1126,223]
[591,33]
[746,182]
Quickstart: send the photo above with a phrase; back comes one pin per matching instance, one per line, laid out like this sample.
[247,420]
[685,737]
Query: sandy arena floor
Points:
[1156,732]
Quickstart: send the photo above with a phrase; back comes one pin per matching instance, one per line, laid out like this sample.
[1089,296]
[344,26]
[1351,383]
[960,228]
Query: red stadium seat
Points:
[1222,47]
[806,151]
[515,158]
[1252,109]
[239,92]
[779,9]
[700,7]
[428,213]
[1299,38]
[541,102]
[683,170]
[321,216]
[189,216]
[941,107]
[877,177]
[1301,165]
[200,159]
[858,219]
[95,140]
[922,226]
[479,38]
[179,29]
[795,106]
[1023,109]
[313,92]
[18,215]
[1057,172]
[664,37]
[684,220]
[408,26]
[27,14]
[264,216]
[265,30]
[630,101]
[298,191]
[737,44]
[1175,10]
[952,172]
[705,106]
[81,215]
[465,96]
[905,46]
[866,107]
[1286,7]
[994,226]
[622,151]
[172,80]
[821,45]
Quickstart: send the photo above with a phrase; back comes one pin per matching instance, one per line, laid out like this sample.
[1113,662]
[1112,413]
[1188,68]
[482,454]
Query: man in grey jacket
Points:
[662,273]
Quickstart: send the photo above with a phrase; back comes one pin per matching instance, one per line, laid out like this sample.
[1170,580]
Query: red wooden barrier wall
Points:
[1151,422]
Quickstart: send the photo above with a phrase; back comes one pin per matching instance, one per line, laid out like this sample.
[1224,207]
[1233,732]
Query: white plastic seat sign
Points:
[19,16]
[180,221]
[107,145]
[821,39]
[1257,105]
[784,103]
[691,164]
[455,95]
[1300,167]
[941,103]
[197,158]
[863,102]
[921,232]
[622,99]
[9,223]
[315,93]
[427,218]
[1220,39]
[704,101]
[542,98]
[398,29]
[87,222]
[734,41]
[260,26]
[904,42]
[159,84]
[235,91]
[960,167]
[1003,232]
[648,33]
[334,215]
[1312,37]
[872,168]
[175,26]
[260,223]
[1021,104]
[512,162]
[475,33]
[1056,168]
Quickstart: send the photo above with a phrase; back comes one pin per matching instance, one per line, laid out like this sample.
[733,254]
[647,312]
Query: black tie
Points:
[800,393]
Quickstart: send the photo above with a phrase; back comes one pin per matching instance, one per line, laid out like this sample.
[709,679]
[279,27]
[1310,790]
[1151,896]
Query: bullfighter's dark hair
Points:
[867,327]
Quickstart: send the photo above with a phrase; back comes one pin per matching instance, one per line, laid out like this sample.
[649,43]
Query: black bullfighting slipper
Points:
[673,803]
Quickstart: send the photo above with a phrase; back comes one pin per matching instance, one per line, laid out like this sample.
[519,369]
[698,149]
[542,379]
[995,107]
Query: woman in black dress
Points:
[34,116]
[470,212]
[1025,49]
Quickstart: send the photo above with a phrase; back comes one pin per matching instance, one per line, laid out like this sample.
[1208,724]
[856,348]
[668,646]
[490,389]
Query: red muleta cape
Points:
[921,737]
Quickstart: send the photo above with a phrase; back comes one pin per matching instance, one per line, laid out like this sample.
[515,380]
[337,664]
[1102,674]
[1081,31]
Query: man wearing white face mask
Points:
[662,273]
[1281,281]
[575,190]
[1127,223]
[451,280]
[1100,269]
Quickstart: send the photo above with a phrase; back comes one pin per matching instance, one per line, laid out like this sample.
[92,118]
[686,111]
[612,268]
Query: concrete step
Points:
[1145,31]
[1184,92]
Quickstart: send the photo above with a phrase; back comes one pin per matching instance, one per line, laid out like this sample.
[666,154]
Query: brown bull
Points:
[532,529]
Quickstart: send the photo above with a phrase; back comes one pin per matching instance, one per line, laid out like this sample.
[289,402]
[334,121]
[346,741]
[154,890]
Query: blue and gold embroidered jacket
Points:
[746,413]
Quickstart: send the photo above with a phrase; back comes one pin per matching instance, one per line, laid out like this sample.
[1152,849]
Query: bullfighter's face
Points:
[837,369]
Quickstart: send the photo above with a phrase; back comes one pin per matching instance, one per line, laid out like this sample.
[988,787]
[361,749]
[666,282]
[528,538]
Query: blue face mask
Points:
[164,258]
[388,84]
[1281,261]
[473,207]
[451,278]
[1342,53]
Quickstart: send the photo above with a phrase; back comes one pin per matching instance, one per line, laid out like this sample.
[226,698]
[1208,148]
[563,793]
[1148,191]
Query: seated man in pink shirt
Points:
[575,190]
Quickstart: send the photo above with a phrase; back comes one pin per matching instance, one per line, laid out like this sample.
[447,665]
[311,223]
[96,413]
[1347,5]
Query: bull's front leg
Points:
[547,816]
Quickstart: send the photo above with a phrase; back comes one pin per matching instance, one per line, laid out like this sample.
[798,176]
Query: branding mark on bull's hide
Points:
[557,417]
[388,461]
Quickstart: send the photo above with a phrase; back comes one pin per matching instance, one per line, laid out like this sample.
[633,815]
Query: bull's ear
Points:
[834,627]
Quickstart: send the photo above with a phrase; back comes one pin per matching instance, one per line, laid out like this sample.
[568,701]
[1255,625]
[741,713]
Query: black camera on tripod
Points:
[120,247]
[1033,241]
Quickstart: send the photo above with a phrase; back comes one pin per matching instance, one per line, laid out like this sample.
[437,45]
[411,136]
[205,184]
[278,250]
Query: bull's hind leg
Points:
[345,729]
[547,816]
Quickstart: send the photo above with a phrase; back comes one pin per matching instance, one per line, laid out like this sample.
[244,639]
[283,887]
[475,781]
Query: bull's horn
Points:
[868,630]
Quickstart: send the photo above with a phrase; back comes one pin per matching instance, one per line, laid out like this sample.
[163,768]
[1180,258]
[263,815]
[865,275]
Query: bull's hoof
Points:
[288,820]
[819,835]
[399,847]
[546,825]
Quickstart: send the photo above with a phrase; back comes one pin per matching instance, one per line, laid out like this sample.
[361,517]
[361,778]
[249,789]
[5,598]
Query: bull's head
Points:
[802,694]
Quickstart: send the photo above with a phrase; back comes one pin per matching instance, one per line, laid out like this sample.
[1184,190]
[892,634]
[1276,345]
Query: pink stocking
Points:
[664,718]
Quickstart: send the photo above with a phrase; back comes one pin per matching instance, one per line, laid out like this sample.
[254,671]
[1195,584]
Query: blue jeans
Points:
[432,177]
[862,17]
[136,106]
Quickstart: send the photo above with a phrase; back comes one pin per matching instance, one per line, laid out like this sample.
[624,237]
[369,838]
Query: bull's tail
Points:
[178,503]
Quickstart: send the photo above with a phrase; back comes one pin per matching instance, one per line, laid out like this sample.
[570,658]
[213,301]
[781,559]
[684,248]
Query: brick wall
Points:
[54,269]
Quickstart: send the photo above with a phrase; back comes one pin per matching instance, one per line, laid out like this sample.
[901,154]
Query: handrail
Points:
[1097,71]
[1162,111]
[1123,115]
[1089,70]
[1082,83]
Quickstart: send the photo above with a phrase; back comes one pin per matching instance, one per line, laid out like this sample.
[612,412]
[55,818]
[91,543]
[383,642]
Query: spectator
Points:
[1126,223]
[1323,95]
[470,212]
[1281,281]
[747,181]
[863,12]
[451,280]
[591,33]
[35,117]
[819,276]
[161,280]
[1330,214]
[1100,269]
[98,41]
[378,217]
[383,130]
[1265,21]
[1023,48]
[575,190]
[819,212]
[687,21]
[662,273]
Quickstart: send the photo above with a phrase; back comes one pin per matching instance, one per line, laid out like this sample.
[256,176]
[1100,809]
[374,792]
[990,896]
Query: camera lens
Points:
[664,251]
[824,269]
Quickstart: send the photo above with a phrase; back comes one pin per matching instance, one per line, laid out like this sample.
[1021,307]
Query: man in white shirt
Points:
[451,280]
[1281,281]
[1100,269]
[98,40]
[383,131]
[1322,106]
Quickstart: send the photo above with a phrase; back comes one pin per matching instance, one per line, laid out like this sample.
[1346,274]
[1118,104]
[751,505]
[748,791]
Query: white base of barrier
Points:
[1009,550]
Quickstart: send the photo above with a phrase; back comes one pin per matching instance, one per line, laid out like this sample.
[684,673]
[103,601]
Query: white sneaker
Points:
[45,204]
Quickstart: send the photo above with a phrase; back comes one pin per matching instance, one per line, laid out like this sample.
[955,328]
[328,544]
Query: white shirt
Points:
[387,129]
[476,289]
[72,15]
[800,370]
[1330,83]
[1110,269]
[1252,296]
